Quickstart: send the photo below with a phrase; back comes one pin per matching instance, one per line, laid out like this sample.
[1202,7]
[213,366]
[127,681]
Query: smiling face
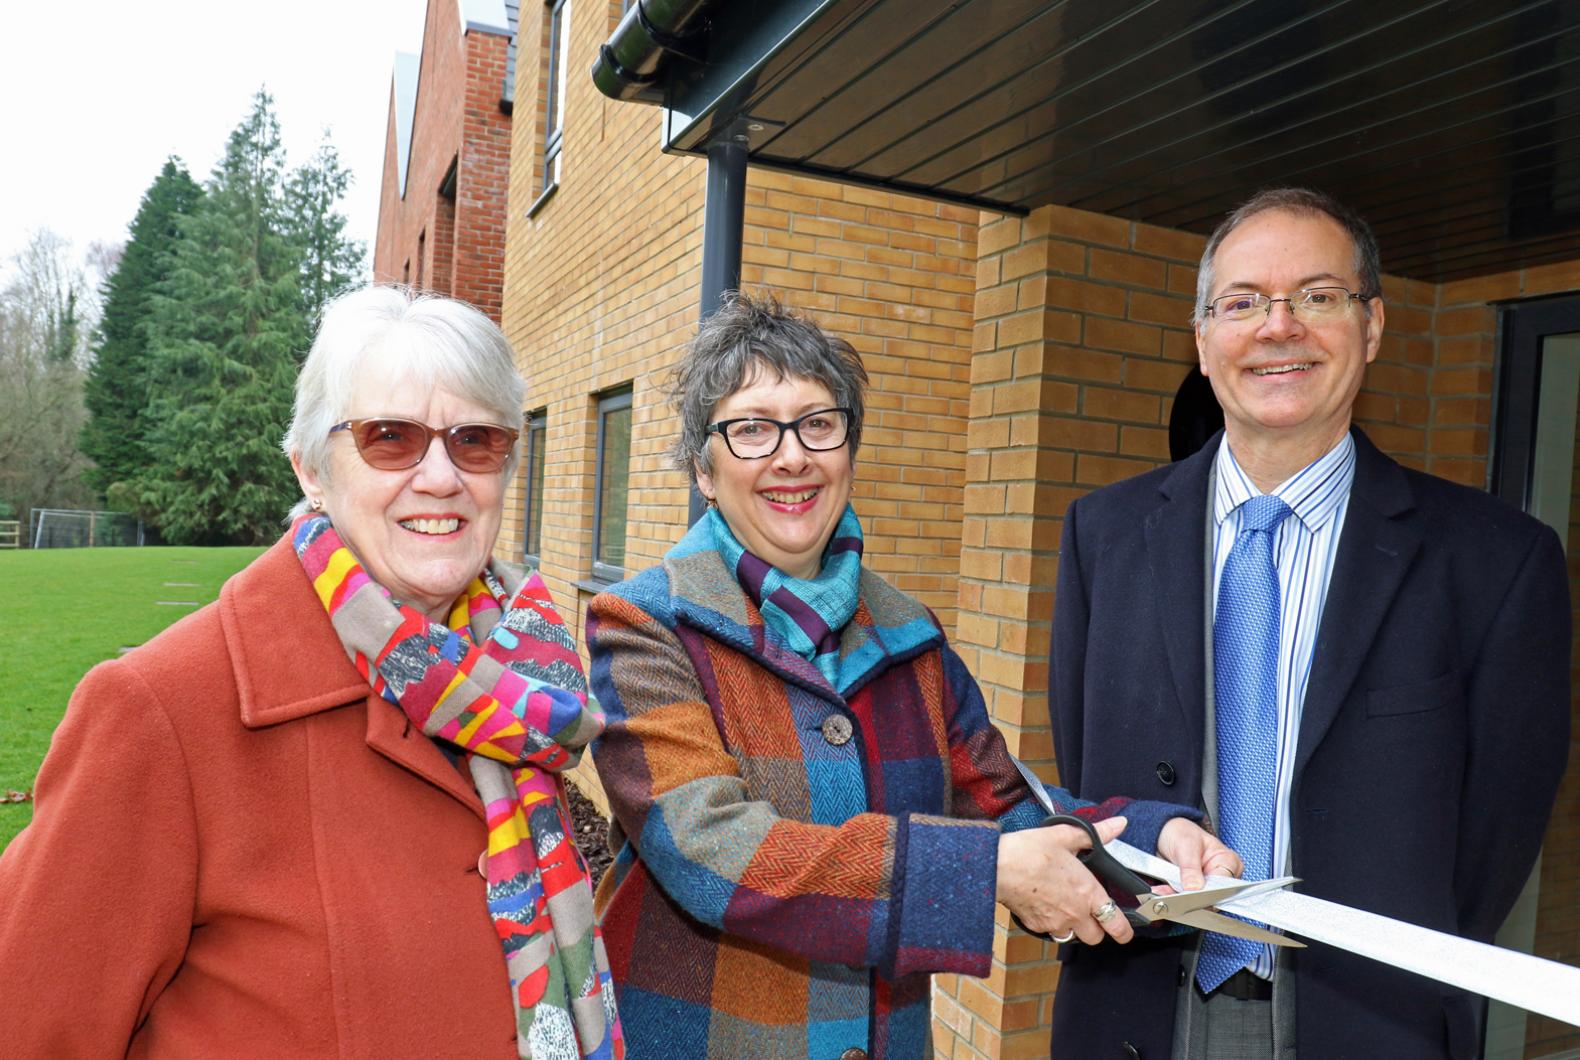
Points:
[1281,379]
[783,508]
[424,532]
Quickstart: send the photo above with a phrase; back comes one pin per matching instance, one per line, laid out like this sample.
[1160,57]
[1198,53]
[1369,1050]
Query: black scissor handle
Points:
[1100,863]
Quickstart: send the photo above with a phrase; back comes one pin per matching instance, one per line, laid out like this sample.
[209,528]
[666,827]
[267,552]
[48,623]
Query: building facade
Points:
[1017,363]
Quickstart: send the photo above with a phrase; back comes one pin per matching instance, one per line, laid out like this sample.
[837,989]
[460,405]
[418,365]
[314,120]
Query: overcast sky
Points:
[95,94]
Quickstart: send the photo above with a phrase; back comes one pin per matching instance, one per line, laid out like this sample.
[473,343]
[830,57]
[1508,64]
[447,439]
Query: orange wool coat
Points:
[239,851]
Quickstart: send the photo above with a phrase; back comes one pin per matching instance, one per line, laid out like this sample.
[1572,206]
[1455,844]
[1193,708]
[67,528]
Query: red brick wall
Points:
[457,119]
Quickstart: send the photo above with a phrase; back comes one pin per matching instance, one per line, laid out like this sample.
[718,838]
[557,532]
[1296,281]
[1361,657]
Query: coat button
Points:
[482,865]
[853,1053]
[837,730]
[1166,773]
[1131,1052]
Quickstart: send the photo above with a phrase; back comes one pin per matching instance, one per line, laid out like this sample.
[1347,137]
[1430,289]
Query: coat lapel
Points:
[1176,542]
[288,663]
[1375,551]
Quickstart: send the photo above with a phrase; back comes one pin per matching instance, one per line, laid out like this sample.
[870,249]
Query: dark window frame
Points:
[556,81]
[608,402]
[535,439]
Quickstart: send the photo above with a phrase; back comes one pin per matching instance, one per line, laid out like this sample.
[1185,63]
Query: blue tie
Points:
[1245,691]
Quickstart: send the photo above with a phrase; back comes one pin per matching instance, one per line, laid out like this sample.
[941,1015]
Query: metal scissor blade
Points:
[1195,908]
[1169,906]
[1208,920]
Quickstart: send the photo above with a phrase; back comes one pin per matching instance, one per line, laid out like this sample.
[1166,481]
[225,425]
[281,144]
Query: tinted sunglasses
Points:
[395,445]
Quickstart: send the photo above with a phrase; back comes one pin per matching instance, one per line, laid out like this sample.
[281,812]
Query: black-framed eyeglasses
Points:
[1313,303]
[754,437]
[391,444]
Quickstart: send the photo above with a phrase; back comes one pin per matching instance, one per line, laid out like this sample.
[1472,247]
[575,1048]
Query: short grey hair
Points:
[1368,266]
[746,335]
[434,341]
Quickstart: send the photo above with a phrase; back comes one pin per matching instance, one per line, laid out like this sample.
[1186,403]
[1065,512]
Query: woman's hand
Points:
[1196,852]
[1040,881]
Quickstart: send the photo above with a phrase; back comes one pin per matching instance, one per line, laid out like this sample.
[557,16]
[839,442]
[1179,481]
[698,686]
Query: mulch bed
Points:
[592,834]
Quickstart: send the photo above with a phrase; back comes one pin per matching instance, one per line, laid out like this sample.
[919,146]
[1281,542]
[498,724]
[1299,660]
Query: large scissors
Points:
[1186,907]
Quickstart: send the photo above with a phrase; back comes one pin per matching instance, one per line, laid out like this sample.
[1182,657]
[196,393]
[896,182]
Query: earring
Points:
[316,504]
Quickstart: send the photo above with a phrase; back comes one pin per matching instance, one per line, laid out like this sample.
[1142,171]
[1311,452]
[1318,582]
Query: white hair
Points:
[430,340]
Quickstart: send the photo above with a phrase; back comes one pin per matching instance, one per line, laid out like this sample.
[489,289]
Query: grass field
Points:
[62,611]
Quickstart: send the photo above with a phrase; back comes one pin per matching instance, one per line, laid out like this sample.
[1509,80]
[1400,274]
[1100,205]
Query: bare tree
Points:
[47,313]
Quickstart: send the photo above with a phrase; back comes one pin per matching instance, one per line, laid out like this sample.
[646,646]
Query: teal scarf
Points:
[808,614]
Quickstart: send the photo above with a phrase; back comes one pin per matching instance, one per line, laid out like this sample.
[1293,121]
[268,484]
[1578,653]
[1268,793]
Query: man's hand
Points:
[1041,882]
[1196,852]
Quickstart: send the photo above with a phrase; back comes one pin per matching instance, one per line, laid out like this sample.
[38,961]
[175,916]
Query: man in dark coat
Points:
[1415,721]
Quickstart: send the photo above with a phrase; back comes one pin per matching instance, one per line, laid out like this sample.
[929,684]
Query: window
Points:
[612,486]
[536,436]
[422,253]
[554,74]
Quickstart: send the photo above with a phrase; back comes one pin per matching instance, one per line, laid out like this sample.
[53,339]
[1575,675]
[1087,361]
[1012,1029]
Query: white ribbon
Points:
[1533,983]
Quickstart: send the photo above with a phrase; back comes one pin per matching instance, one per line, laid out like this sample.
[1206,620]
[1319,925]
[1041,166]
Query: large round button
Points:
[837,730]
[853,1053]
[1166,773]
[1131,1052]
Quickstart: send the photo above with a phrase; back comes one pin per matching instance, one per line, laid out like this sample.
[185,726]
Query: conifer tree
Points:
[116,391]
[225,339]
[330,261]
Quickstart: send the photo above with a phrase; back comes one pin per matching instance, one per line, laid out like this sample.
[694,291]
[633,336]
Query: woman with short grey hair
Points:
[813,811]
[327,810]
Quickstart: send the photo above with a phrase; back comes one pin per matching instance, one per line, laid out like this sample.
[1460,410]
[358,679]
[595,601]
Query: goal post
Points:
[82,528]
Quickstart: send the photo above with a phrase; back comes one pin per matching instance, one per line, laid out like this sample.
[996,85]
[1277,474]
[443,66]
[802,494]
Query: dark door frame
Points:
[1517,384]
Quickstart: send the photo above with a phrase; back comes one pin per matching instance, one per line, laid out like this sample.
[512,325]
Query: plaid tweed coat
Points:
[781,891]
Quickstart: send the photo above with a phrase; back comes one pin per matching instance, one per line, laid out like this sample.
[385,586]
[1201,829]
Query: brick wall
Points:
[894,276]
[455,245]
[1082,338]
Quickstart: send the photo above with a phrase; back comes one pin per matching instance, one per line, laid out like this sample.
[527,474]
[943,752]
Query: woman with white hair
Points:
[323,816]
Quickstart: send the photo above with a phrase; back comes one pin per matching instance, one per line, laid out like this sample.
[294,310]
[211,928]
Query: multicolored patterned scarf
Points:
[806,613]
[503,684]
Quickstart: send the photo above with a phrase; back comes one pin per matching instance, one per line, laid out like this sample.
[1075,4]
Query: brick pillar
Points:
[1082,337]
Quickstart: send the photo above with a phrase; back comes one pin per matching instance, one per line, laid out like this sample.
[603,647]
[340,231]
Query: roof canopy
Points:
[1453,126]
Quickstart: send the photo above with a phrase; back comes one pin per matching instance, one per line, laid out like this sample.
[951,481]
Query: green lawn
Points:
[62,611]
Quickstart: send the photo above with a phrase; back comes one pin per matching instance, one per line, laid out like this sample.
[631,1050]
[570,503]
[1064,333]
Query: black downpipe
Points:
[723,223]
[627,67]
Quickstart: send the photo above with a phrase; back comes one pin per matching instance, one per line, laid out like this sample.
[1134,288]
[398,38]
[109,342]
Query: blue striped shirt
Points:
[1303,549]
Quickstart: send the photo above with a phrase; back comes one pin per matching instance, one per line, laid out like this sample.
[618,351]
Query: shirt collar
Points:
[1313,493]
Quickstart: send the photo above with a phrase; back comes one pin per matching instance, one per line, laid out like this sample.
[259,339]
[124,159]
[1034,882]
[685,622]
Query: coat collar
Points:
[288,663]
[287,659]
[888,626]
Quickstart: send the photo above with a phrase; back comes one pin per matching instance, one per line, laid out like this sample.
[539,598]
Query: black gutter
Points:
[627,67]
